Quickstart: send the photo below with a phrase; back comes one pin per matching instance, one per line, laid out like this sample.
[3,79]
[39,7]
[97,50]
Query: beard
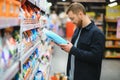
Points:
[79,24]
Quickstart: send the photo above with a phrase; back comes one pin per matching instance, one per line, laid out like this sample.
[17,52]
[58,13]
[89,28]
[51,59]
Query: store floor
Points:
[110,68]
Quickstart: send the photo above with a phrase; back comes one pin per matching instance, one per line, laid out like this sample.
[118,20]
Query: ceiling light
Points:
[63,0]
[112,4]
[112,0]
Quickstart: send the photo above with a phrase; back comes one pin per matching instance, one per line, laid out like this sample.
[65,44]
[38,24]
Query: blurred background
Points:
[106,14]
[27,54]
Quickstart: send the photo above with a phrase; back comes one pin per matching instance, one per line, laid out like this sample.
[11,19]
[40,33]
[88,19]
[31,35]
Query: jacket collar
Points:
[88,27]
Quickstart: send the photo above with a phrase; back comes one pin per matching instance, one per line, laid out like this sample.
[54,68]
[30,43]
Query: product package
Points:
[55,37]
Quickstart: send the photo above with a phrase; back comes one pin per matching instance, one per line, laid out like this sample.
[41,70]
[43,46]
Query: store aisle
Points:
[110,68]
[59,61]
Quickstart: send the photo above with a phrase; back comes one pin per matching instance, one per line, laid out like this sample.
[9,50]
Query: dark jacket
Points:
[88,54]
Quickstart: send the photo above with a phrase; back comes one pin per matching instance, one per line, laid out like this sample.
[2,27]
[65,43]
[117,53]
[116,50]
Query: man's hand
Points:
[66,47]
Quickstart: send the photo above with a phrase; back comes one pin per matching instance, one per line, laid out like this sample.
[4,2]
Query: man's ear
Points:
[80,14]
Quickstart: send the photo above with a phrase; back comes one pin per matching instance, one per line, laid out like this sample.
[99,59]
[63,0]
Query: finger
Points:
[69,42]
[63,44]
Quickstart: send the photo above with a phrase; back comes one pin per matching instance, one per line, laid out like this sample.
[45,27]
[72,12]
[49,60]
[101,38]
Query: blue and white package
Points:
[56,38]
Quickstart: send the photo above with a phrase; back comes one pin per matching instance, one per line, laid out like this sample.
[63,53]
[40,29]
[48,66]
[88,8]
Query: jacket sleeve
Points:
[94,55]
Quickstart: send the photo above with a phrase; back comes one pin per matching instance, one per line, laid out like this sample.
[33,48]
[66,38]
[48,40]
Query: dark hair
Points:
[76,7]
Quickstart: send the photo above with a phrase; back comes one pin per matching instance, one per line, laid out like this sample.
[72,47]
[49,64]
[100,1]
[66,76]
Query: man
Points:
[86,47]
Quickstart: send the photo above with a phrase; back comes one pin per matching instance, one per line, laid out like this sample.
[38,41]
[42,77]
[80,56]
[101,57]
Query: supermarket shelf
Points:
[34,71]
[111,20]
[26,27]
[37,5]
[32,1]
[112,30]
[8,22]
[29,53]
[112,46]
[108,38]
[42,10]
[48,75]
[11,72]
[113,57]
[50,62]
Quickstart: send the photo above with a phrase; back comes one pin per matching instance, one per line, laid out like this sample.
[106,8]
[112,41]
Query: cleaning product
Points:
[53,36]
